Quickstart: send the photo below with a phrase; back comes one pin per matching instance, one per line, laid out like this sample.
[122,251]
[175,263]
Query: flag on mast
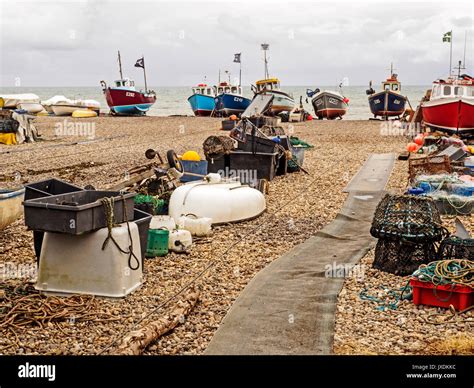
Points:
[140,63]
[447,36]
[237,57]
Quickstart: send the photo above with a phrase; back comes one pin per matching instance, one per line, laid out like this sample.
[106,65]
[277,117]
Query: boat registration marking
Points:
[130,94]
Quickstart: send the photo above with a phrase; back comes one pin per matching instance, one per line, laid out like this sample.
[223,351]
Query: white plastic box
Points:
[77,264]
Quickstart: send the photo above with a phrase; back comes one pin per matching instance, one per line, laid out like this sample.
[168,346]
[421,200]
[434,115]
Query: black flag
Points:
[237,58]
[140,63]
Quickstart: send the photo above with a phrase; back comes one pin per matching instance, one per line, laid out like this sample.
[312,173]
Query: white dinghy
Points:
[222,200]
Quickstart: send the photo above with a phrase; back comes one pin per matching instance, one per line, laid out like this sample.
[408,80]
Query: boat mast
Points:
[144,73]
[465,40]
[240,69]
[265,47]
[120,65]
[451,53]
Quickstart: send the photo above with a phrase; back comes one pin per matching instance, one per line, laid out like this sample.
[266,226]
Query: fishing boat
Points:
[389,102]
[451,106]
[202,100]
[10,206]
[222,200]
[282,102]
[229,98]
[328,104]
[123,98]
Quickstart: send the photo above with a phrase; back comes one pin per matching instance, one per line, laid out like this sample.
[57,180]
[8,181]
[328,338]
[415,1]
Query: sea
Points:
[173,100]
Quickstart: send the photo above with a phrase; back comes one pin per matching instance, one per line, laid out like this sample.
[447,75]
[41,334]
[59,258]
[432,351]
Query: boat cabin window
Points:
[227,89]
[386,86]
[209,91]
[458,91]
[395,87]
[234,89]
[470,92]
[447,90]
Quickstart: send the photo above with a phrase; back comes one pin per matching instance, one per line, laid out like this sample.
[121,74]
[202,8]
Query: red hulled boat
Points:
[451,106]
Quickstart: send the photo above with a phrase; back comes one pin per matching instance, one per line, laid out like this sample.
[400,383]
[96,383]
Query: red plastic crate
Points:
[429,294]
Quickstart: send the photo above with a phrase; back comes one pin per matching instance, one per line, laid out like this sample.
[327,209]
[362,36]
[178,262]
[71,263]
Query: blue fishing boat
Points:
[229,100]
[202,100]
[389,102]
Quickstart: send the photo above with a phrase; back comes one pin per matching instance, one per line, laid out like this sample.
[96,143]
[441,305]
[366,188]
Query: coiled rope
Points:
[441,272]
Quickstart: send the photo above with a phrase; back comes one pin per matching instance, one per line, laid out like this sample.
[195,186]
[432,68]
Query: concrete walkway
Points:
[289,306]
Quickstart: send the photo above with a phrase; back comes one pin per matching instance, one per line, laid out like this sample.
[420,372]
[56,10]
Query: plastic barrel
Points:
[157,244]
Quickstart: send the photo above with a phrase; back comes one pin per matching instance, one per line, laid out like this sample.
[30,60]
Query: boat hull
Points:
[231,104]
[387,104]
[282,102]
[329,105]
[201,104]
[451,115]
[222,202]
[10,206]
[31,107]
[128,102]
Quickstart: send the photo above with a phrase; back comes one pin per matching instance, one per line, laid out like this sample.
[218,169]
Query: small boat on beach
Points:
[389,102]
[66,108]
[31,107]
[202,100]
[328,104]
[282,102]
[450,108]
[229,98]
[220,199]
[11,101]
[123,98]
[10,206]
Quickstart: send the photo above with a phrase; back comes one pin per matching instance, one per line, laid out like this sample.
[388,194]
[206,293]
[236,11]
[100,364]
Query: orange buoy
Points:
[419,140]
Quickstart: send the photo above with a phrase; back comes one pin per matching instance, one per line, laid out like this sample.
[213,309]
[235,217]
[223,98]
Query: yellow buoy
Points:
[191,156]
[84,113]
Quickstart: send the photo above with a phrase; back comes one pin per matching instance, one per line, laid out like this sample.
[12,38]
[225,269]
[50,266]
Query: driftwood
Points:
[137,341]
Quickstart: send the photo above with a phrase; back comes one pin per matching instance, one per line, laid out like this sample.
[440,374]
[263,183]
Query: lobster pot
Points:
[401,257]
[453,247]
[407,217]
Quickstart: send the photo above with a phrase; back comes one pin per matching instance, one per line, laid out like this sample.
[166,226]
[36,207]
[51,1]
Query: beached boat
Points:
[230,100]
[47,104]
[31,107]
[282,102]
[221,200]
[202,100]
[389,102]
[66,108]
[451,106]
[10,206]
[328,104]
[123,98]
[12,101]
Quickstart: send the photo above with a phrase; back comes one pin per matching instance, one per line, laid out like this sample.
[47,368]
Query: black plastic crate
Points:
[142,220]
[48,188]
[257,144]
[76,213]
[246,163]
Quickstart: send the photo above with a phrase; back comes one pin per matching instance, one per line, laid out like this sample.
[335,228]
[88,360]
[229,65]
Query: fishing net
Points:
[408,217]
[402,257]
[429,165]
[216,146]
[454,247]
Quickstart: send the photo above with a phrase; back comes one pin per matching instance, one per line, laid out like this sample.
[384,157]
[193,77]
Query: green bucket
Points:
[157,242]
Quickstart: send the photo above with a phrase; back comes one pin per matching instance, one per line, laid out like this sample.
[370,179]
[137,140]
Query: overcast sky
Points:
[75,43]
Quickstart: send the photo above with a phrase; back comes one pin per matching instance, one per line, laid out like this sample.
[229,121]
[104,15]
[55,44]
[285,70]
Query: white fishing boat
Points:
[10,206]
[66,108]
[11,101]
[221,200]
[282,102]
